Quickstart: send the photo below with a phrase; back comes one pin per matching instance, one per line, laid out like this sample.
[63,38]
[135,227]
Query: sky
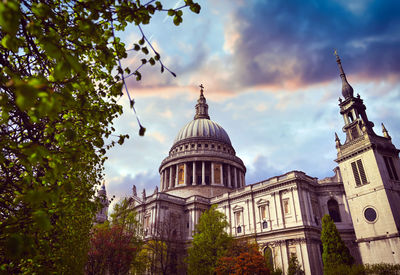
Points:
[271,81]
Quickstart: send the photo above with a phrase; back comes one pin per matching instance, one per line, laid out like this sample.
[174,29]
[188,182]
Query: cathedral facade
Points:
[283,213]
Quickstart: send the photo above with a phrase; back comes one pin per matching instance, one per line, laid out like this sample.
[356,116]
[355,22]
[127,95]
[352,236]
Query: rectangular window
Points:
[217,173]
[359,172]
[263,212]
[181,174]
[286,208]
[390,168]
[238,217]
[146,221]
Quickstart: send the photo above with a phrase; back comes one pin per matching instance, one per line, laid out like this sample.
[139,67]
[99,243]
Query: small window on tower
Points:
[350,116]
[192,145]
[199,145]
[206,145]
[359,173]
[354,132]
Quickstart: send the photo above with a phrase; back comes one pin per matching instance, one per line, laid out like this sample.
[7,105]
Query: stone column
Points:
[170,177]
[222,174]
[162,180]
[194,174]
[203,173]
[229,176]
[212,173]
[185,182]
[176,174]
[235,175]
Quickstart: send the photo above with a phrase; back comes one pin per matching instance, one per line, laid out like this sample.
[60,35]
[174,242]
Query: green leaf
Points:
[51,49]
[10,42]
[74,63]
[144,61]
[42,220]
[14,245]
[142,130]
[177,20]
[136,47]
[158,5]
[171,12]
[61,70]
[151,61]
[195,8]
[145,50]
[141,41]
[10,15]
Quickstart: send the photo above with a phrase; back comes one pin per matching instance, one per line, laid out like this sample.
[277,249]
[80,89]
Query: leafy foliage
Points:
[242,259]
[294,267]
[335,252]
[114,247]
[373,269]
[209,243]
[60,76]
[164,251]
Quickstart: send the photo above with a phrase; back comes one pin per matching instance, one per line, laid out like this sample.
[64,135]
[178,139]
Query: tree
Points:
[112,251]
[60,77]
[294,267]
[243,258]
[209,243]
[162,248]
[115,247]
[335,253]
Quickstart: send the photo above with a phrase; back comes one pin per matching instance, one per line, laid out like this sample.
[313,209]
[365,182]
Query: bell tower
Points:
[370,168]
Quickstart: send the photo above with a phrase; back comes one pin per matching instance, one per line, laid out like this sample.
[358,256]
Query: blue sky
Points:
[271,81]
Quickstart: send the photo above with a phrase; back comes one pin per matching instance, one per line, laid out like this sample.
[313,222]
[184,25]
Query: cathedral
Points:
[283,213]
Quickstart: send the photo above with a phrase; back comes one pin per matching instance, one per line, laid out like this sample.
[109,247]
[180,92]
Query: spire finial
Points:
[385,132]
[347,90]
[201,106]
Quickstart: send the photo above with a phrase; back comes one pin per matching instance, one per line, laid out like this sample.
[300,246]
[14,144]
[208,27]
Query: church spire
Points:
[201,106]
[347,90]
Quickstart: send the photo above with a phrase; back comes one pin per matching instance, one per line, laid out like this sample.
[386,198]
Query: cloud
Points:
[284,41]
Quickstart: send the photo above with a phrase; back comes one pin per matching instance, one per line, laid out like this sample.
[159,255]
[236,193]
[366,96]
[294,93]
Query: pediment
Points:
[262,201]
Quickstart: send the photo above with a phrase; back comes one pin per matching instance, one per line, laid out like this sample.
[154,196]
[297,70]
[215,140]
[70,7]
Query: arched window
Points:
[333,208]
[268,258]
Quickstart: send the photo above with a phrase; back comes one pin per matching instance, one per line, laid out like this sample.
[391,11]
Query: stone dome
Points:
[202,160]
[203,128]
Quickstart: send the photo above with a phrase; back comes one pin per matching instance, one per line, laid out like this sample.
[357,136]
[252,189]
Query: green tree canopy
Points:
[335,253]
[294,267]
[209,243]
[60,77]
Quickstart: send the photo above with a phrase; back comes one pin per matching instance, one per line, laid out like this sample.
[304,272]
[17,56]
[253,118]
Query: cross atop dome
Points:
[201,106]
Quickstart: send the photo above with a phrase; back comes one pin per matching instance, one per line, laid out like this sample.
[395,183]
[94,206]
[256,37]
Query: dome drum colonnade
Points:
[202,155]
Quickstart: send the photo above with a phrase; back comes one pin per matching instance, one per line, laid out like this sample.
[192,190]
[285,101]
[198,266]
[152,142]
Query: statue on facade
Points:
[134,191]
[144,194]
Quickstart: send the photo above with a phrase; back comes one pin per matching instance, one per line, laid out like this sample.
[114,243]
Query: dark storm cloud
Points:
[298,39]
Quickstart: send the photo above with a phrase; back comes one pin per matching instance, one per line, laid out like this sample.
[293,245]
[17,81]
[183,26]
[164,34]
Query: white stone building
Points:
[283,214]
